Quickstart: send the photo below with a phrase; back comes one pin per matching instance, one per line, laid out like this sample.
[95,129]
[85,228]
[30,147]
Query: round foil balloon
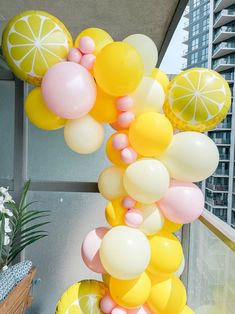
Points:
[32,42]
[198,100]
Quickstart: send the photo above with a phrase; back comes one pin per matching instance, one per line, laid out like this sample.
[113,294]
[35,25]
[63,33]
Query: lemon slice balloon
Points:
[32,42]
[198,100]
[82,298]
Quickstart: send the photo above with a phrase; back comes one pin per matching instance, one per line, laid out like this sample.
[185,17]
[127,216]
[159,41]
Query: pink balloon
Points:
[128,202]
[125,119]
[74,55]
[68,90]
[116,126]
[120,141]
[87,61]
[142,310]
[133,218]
[107,304]
[182,203]
[124,103]
[90,249]
[86,44]
[119,310]
[128,155]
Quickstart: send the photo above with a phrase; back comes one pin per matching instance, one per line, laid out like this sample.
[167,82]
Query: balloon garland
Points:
[149,187]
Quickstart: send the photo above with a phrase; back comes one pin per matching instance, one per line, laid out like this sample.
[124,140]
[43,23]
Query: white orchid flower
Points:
[7,225]
[6,239]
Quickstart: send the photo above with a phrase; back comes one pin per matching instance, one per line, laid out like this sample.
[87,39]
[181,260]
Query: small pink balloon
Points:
[124,103]
[128,202]
[133,218]
[142,310]
[90,249]
[68,90]
[128,155]
[119,310]
[125,119]
[120,141]
[107,304]
[116,126]
[87,61]
[86,44]
[74,55]
[183,202]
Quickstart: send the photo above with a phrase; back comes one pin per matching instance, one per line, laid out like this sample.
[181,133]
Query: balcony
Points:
[223,64]
[186,12]
[224,17]
[222,126]
[217,187]
[216,201]
[222,4]
[229,76]
[223,33]
[186,25]
[221,172]
[221,141]
[224,48]
[185,39]
[185,53]
[224,157]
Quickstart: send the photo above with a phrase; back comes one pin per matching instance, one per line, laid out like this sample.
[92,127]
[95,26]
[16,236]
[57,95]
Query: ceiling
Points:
[118,17]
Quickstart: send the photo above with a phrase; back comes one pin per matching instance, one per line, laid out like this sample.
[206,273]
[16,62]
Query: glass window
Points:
[195,43]
[196,14]
[204,64]
[196,3]
[204,54]
[195,29]
[205,24]
[205,38]
[194,57]
[206,9]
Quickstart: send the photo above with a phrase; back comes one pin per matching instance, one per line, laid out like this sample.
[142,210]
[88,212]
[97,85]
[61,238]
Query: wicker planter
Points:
[19,298]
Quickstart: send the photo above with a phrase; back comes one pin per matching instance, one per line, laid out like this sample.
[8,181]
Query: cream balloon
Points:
[84,135]
[191,157]
[146,180]
[153,219]
[149,96]
[146,48]
[180,270]
[110,183]
[125,252]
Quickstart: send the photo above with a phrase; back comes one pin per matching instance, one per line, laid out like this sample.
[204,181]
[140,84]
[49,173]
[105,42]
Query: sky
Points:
[173,61]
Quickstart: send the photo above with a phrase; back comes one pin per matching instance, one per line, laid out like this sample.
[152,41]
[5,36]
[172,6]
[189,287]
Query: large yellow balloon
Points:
[118,69]
[32,42]
[110,183]
[38,113]
[115,155]
[104,109]
[150,134]
[146,180]
[124,252]
[148,96]
[100,37]
[168,294]
[170,226]
[187,310]
[161,78]
[198,100]
[115,212]
[166,253]
[130,293]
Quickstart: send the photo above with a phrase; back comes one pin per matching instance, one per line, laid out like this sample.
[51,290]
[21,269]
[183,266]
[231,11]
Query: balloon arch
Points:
[157,151]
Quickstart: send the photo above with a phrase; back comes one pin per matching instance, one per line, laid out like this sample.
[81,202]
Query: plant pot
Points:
[19,298]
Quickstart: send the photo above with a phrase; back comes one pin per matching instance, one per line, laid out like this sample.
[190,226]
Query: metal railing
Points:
[226,60]
[221,140]
[217,187]
[224,13]
[224,29]
[227,44]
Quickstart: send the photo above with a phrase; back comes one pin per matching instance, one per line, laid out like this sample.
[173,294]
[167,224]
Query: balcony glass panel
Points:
[211,277]
[224,29]
[227,60]
[223,13]
[227,44]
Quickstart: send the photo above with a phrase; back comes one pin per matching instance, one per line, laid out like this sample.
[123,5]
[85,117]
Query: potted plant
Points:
[20,226]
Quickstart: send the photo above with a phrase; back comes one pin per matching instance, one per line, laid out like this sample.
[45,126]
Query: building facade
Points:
[211,43]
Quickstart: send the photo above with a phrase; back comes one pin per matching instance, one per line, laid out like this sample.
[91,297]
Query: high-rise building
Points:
[211,43]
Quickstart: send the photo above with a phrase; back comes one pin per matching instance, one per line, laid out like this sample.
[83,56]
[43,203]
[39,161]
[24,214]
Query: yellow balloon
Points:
[148,97]
[84,135]
[118,69]
[110,183]
[34,41]
[115,212]
[115,155]
[104,109]
[150,134]
[187,310]
[198,100]
[106,279]
[100,37]
[130,293]
[166,253]
[161,78]
[170,226]
[38,113]
[168,294]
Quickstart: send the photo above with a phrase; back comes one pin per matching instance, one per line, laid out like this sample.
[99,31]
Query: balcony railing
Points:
[217,187]
[186,24]
[221,140]
[223,126]
[216,201]
[222,172]
[228,76]
[185,38]
[224,156]
[228,44]
[226,12]
[223,61]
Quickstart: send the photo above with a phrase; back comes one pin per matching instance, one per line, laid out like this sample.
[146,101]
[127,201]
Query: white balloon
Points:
[149,96]
[146,180]
[146,48]
[110,183]
[125,252]
[153,220]
[191,157]
[84,135]
[180,270]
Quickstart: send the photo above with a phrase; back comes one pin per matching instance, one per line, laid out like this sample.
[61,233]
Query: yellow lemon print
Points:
[34,41]
[198,99]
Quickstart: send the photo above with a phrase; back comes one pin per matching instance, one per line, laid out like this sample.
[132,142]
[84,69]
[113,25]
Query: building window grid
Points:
[195,43]
[204,53]
[194,57]
[196,15]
